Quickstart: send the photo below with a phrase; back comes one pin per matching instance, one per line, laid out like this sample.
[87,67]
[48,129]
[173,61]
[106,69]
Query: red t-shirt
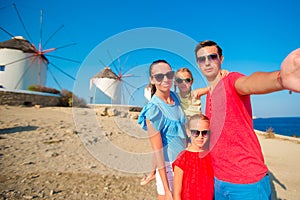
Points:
[198,177]
[235,150]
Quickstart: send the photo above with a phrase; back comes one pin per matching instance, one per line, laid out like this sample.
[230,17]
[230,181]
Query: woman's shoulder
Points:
[150,108]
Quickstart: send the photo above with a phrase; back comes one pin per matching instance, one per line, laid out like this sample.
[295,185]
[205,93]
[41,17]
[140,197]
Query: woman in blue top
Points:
[165,121]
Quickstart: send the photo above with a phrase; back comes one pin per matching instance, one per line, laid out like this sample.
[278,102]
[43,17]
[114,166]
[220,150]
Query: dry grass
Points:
[270,133]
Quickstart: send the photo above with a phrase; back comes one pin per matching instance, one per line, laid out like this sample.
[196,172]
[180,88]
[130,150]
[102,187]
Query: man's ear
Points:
[222,58]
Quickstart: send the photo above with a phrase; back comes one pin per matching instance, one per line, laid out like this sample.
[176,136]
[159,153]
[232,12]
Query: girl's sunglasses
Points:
[211,57]
[180,80]
[196,133]
[160,77]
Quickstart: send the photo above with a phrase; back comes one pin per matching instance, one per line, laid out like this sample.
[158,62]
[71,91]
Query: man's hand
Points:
[197,93]
[290,71]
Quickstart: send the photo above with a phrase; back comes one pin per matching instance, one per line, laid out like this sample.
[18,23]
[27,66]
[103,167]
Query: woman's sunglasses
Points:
[211,57]
[180,80]
[160,77]
[196,133]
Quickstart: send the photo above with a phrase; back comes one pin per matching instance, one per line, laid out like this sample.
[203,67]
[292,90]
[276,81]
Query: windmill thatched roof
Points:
[19,43]
[106,73]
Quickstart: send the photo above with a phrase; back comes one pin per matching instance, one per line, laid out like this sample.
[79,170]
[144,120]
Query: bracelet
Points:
[279,79]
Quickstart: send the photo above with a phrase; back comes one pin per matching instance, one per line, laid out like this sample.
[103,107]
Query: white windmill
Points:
[114,89]
[22,64]
[109,83]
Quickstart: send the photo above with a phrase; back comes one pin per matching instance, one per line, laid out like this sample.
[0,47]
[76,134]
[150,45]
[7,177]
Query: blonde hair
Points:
[203,118]
[197,117]
[184,69]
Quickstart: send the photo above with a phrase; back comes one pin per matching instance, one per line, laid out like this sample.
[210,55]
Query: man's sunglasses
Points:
[180,80]
[211,57]
[160,77]
[196,133]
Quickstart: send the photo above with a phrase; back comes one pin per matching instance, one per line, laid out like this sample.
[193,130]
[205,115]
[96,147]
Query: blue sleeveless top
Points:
[170,121]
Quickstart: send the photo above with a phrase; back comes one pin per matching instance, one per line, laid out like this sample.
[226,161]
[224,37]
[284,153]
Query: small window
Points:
[2,68]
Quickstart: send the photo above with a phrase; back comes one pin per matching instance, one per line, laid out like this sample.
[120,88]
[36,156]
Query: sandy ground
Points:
[65,153]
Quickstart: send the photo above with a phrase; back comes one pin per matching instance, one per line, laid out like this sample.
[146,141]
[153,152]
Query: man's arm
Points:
[266,82]
[258,83]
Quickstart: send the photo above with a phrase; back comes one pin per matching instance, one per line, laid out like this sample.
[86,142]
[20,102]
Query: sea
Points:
[288,126]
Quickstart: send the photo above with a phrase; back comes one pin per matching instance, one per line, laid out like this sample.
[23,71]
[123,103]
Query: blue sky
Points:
[255,35]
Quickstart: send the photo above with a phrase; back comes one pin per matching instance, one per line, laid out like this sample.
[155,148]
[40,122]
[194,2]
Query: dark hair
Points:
[208,43]
[152,86]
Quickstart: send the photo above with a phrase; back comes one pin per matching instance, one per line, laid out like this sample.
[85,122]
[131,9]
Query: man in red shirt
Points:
[238,163]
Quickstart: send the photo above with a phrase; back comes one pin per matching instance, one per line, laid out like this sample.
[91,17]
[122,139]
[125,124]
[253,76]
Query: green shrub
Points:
[39,88]
[68,99]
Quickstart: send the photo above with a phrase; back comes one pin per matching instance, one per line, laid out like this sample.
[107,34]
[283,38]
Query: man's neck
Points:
[212,83]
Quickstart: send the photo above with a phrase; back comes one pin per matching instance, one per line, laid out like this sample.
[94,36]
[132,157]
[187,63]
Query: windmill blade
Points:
[75,61]
[129,84]
[65,73]
[19,16]
[20,60]
[126,59]
[55,80]
[130,75]
[59,28]
[5,31]
[119,63]
[68,45]
[41,31]
[126,88]
[115,67]
[102,63]
[124,64]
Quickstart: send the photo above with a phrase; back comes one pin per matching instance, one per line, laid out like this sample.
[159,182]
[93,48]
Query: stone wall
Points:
[28,98]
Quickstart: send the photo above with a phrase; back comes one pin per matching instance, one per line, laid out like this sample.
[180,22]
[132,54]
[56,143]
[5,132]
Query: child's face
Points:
[199,130]
[185,80]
